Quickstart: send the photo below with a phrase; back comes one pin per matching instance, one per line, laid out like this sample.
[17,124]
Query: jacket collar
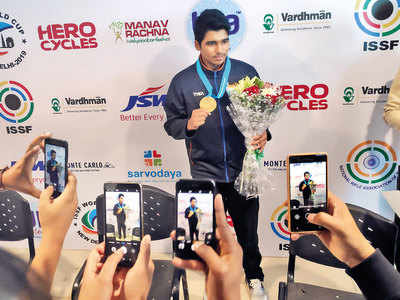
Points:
[209,72]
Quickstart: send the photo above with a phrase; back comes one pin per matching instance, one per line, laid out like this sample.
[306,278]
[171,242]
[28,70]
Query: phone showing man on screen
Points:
[53,168]
[119,211]
[307,186]
[192,213]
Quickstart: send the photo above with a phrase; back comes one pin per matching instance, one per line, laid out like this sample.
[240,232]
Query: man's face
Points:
[214,47]
[121,199]
[193,203]
[307,176]
[53,155]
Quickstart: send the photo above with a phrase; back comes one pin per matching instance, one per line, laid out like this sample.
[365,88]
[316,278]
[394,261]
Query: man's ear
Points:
[197,45]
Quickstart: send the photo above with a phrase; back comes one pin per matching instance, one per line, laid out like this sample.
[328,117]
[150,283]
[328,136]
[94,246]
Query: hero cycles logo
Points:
[146,99]
[378,19]
[279,228]
[371,165]
[230,9]
[141,31]
[13,42]
[16,106]
[69,36]
[85,223]
[301,97]
[153,159]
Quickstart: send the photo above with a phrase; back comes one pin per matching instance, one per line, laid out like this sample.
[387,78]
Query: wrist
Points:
[3,180]
[53,240]
[360,254]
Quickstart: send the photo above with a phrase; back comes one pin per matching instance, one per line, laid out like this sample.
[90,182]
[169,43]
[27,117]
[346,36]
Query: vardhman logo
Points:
[275,165]
[78,105]
[146,99]
[144,31]
[303,97]
[84,222]
[231,10]
[89,166]
[378,19]
[371,165]
[302,21]
[69,36]
[16,106]
[269,23]
[277,223]
[12,42]
[38,174]
[365,94]
[153,159]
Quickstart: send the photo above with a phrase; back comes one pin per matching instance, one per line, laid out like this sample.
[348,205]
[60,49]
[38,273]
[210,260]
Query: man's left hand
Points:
[259,141]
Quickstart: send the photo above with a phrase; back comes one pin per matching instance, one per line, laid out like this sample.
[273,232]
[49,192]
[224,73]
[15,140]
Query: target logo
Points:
[378,18]
[16,106]
[370,165]
[277,223]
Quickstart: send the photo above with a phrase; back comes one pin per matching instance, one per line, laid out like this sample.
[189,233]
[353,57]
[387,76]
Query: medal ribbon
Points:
[206,82]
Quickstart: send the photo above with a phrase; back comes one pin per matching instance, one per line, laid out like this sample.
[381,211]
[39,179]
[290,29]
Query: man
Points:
[307,186]
[52,169]
[119,212]
[214,144]
[192,214]
[392,107]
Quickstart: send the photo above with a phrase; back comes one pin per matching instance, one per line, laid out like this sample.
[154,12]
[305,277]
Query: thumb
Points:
[47,193]
[323,219]
[144,252]
[207,254]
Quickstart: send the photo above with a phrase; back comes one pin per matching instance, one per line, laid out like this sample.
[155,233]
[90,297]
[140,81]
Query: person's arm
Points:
[376,277]
[187,211]
[301,186]
[55,218]
[392,107]
[345,241]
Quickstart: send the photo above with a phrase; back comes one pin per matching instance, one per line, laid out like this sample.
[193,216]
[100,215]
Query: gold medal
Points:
[208,103]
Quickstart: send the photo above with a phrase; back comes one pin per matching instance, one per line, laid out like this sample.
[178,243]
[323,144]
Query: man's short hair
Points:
[52,151]
[120,195]
[307,173]
[210,19]
[192,198]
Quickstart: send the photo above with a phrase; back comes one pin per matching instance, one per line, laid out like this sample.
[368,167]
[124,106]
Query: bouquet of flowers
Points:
[255,105]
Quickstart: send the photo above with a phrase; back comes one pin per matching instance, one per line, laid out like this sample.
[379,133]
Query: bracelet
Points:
[1,177]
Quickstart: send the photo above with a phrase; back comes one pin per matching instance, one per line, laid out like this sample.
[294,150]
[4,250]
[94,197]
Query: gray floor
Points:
[274,268]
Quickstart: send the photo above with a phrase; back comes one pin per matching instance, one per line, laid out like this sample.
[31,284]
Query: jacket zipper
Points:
[190,153]
[222,128]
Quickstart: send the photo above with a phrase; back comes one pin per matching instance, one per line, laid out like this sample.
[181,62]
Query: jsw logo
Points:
[38,166]
[232,19]
[145,99]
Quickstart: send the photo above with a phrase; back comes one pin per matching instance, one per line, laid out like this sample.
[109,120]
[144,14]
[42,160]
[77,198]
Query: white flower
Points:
[269,91]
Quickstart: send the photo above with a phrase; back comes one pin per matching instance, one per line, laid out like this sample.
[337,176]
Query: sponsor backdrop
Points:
[96,73]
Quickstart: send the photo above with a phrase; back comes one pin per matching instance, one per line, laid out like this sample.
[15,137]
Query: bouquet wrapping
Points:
[255,105]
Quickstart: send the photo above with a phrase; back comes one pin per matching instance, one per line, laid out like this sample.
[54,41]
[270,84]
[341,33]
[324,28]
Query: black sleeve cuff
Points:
[269,135]
[376,277]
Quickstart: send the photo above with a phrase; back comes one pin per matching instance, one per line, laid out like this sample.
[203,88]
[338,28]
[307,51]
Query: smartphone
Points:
[195,216]
[123,215]
[307,176]
[55,159]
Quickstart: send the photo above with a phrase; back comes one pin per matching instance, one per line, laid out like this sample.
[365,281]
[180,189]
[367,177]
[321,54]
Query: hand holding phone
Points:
[123,220]
[56,160]
[195,217]
[307,189]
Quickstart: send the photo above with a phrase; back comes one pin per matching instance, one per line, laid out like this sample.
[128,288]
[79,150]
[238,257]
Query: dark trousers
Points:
[193,230]
[121,225]
[244,215]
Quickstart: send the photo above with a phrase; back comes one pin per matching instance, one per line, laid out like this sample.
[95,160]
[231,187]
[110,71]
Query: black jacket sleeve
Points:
[187,211]
[376,278]
[177,116]
[300,185]
[48,167]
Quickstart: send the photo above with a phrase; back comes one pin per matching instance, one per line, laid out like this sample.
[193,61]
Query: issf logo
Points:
[277,223]
[230,9]
[146,99]
[378,18]
[88,222]
[371,165]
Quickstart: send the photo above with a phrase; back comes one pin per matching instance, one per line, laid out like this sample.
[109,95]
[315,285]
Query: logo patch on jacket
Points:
[197,94]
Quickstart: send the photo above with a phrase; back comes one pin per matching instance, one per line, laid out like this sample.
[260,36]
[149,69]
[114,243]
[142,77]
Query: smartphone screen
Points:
[56,157]
[123,215]
[307,189]
[195,213]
